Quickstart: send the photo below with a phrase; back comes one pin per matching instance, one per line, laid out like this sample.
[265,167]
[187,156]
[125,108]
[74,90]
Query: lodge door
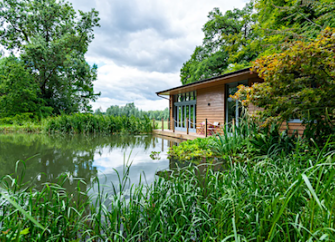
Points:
[184,112]
[185,108]
[233,108]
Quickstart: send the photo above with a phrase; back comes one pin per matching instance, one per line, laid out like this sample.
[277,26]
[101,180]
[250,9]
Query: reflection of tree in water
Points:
[53,156]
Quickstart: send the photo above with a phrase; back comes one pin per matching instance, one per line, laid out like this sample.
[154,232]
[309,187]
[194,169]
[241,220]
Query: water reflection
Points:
[84,157]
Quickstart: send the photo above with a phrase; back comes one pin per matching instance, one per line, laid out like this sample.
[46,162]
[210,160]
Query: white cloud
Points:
[142,45]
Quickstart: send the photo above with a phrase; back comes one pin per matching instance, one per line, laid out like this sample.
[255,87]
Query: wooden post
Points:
[233,125]
[153,123]
[169,128]
[206,127]
[187,126]
[173,126]
[162,124]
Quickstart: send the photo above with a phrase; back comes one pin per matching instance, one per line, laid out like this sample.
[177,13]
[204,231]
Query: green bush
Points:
[192,149]
[18,119]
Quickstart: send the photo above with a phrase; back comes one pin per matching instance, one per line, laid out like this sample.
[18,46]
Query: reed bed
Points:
[25,128]
[89,123]
[272,198]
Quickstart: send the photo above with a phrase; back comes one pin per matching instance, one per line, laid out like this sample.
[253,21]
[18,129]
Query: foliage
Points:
[298,83]
[234,39]
[89,123]
[52,40]
[192,149]
[230,41]
[285,198]
[293,19]
[155,155]
[130,110]
[271,141]
[62,215]
[238,144]
[18,91]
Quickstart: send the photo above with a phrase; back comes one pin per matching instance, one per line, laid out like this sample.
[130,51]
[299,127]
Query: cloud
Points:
[121,84]
[142,44]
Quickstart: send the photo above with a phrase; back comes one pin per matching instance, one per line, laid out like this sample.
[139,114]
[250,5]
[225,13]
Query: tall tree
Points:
[53,40]
[18,91]
[230,41]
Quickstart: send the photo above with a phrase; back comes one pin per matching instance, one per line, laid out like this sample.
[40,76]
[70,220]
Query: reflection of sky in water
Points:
[142,166]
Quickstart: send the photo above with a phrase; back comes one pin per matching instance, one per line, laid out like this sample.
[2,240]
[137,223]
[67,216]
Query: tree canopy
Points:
[18,91]
[236,38]
[131,110]
[230,40]
[52,40]
[299,83]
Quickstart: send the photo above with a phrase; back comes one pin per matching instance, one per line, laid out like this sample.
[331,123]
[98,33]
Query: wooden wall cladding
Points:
[214,96]
[171,111]
[252,109]
[293,126]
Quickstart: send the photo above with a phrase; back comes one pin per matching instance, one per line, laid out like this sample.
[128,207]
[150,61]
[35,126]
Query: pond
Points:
[84,157]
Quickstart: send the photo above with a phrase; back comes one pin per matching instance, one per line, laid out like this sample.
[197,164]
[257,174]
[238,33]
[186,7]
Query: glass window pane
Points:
[191,116]
[195,95]
[179,116]
[188,114]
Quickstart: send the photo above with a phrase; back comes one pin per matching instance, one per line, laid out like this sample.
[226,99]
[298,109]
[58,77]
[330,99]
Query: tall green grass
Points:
[273,198]
[89,123]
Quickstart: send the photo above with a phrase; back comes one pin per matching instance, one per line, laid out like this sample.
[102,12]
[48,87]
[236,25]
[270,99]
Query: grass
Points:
[158,124]
[271,198]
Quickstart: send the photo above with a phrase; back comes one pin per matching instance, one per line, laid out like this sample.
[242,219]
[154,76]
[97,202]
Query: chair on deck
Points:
[201,128]
[212,129]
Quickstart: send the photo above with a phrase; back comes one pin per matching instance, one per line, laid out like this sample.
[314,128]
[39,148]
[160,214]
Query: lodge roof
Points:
[201,83]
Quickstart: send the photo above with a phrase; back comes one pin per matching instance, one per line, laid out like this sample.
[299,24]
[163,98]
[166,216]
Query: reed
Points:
[272,198]
[89,123]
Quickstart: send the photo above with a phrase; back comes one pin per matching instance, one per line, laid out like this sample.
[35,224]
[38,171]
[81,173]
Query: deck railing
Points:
[204,128]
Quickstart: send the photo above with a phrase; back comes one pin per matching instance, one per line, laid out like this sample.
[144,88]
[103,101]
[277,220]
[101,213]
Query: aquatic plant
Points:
[89,123]
[273,198]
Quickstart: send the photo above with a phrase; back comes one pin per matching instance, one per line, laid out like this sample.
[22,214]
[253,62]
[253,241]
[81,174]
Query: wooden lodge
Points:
[207,103]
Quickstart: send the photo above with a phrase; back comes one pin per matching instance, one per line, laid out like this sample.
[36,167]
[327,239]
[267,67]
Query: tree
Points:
[230,40]
[289,20]
[298,83]
[18,91]
[52,41]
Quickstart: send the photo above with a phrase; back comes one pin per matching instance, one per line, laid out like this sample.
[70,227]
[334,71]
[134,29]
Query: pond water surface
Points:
[83,157]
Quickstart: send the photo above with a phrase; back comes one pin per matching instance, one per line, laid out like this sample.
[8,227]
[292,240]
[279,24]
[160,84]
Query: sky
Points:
[142,45]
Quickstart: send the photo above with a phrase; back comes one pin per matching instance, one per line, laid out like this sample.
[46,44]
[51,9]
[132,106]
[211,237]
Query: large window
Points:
[185,97]
[185,109]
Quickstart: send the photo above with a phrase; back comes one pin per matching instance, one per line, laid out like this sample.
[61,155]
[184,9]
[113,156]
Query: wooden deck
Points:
[177,134]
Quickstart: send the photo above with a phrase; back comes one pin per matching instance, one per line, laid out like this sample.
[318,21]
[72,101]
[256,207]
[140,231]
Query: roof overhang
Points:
[236,76]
